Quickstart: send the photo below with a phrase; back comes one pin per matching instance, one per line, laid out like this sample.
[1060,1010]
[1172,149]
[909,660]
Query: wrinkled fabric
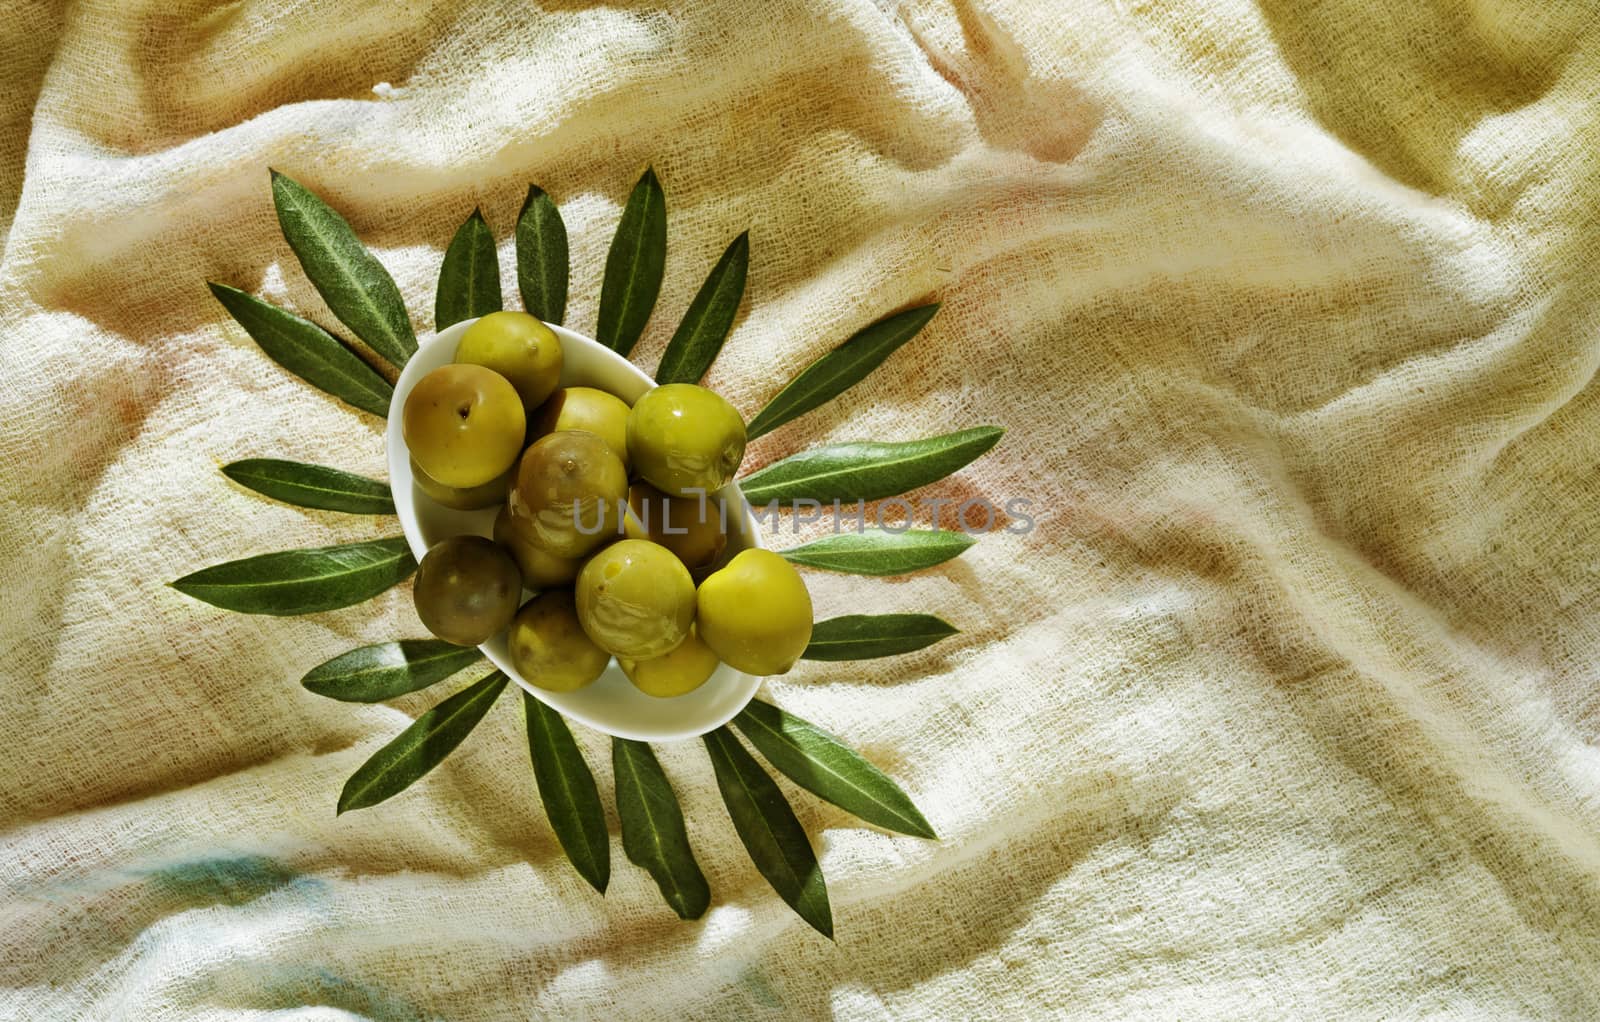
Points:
[1285,708]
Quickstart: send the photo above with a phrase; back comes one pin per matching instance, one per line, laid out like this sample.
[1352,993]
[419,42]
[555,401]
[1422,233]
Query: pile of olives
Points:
[608,515]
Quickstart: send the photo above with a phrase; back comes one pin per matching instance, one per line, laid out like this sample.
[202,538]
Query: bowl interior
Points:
[611,704]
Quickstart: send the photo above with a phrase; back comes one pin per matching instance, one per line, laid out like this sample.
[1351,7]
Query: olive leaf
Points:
[841,368]
[704,328]
[868,636]
[307,350]
[314,486]
[866,470]
[469,278]
[542,257]
[824,766]
[420,747]
[653,834]
[353,283]
[371,674]
[302,581]
[771,834]
[567,789]
[880,551]
[634,266]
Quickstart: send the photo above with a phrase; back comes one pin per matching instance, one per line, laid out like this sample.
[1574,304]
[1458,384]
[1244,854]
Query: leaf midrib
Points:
[719,293]
[301,579]
[541,281]
[847,359]
[240,476]
[471,290]
[369,673]
[969,438]
[783,737]
[626,304]
[655,831]
[563,779]
[825,643]
[894,542]
[311,226]
[337,360]
[424,734]
[794,877]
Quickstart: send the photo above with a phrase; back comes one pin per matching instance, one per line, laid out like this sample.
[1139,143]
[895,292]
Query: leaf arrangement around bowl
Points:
[364,298]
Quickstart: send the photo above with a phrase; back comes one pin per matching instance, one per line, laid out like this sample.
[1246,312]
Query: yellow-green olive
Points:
[471,499]
[673,674]
[601,413]
[635,599]
[518,347]
[755,613]
[570,493]
[540,568]
[684,439]
[464,425]
[691,527]
[466,590]
[548,646]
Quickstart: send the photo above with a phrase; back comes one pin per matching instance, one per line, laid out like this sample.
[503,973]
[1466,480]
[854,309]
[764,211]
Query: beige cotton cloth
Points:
[1287,709]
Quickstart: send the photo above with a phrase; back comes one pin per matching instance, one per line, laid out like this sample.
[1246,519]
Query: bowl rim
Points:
[406,495]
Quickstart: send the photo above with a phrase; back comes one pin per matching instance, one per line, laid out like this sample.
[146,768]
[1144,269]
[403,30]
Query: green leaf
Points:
[867,470]
[469,278]
[372,674]
[317,486]
[302,581]
[353,283]
[567,789]
[868,636]
[824,766]
[880,552]
[653,835]
[774,838]
[307,350]
[634,266]
[840,369]
[420,747]
[705,326]
[542,257]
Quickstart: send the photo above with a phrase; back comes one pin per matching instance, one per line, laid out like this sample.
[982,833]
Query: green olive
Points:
[691,527]
[635,599]
[471,499]
[602,414]
[549,648]
[464,425]
[673,674]
[540,568]
[570,492]
[755,613]
[466,590]
[684,439]
[518,347]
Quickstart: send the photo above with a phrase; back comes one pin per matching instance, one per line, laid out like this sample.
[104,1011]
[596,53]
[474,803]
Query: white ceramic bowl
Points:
[611,704]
